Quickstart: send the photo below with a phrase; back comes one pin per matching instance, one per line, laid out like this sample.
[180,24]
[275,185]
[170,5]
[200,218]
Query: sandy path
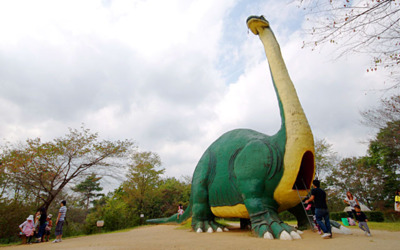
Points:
[170,237]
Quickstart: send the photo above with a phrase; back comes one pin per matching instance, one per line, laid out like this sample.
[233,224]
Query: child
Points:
[28,228]
[49,225]
[362,220]
[310,207]
[36,222]
[180,210]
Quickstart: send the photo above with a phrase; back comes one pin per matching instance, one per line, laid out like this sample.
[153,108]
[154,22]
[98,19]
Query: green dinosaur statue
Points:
[246,174]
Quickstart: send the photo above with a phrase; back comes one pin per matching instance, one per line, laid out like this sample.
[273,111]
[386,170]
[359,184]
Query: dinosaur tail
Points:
[174,218]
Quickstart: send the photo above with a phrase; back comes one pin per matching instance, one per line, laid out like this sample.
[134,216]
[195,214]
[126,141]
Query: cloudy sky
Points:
[171,75]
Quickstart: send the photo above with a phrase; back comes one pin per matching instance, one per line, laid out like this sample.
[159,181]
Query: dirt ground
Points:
[171,237]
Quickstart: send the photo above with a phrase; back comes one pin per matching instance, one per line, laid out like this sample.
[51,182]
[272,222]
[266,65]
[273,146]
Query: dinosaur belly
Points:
[237,211]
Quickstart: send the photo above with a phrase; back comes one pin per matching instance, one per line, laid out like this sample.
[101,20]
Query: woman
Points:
[351,201]
[42,224]
[28,228]
[397,201]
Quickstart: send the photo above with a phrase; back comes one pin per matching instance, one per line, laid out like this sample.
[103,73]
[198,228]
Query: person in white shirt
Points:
[351,201]
[60,221]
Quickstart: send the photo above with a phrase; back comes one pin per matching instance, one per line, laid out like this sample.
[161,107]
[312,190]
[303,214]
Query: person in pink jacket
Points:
[28,228]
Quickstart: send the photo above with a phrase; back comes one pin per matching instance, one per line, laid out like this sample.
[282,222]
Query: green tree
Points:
[367,26]
[325,158]
[43,169]
[384,148]
[142,181]
[359,176]
[113,210]
[89,188]
[384,153]
[170,192]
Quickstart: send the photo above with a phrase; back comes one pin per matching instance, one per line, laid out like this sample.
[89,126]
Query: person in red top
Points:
[49,225]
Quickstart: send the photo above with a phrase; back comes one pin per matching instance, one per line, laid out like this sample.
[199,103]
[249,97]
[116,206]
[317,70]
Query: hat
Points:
[49,216]
[30,217]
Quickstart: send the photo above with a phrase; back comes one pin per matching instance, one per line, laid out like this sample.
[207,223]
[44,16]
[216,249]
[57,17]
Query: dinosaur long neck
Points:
[299,139]
[290,108]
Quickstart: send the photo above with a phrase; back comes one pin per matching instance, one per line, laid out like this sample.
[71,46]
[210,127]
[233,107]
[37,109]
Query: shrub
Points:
[12,214]
[338,216]
[286,216]
[391,215]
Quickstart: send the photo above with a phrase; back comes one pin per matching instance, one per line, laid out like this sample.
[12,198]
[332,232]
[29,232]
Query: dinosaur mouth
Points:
[306,172]
[256,21]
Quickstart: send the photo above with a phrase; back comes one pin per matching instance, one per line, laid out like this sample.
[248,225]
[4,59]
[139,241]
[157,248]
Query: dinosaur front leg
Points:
[256,178]
[203,220]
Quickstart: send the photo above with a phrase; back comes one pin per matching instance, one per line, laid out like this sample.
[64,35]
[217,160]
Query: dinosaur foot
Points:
[208,226]
[271,227]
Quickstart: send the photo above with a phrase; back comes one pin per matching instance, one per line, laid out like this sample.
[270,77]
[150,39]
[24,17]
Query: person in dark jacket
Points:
[42,224]
[362,220]
[321,209]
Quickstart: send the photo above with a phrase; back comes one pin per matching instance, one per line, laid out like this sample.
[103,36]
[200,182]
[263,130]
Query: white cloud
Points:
[172,75]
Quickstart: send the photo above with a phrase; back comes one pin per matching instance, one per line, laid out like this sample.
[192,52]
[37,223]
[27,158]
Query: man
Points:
[321,209]
[60,221]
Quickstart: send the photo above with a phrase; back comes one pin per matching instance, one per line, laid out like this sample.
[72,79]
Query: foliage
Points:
[391,215]
[384,153]
[286,216]
[384,148]
[12,214]
[171,192]
[115,213]
[356,175]
[142,180]
[335,200]
[88,189]
[43,169]
[325,158]
[365,26]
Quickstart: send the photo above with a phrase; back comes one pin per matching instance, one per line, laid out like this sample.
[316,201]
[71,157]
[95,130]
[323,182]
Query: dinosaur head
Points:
[257,22]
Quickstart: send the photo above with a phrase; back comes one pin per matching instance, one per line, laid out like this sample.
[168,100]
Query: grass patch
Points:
[186,224]
[388,226]
[11,244]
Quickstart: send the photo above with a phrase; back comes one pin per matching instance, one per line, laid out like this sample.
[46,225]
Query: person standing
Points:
[321,209]
[42,224]
[397,201]
[352,202]
[60,221]
[36,221]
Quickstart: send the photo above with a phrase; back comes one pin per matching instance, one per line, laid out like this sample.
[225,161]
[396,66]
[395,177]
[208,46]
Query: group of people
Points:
[39,228]
[356,212]
[318,197]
